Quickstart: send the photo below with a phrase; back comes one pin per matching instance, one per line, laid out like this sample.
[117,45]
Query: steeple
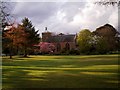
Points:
[45,29]
[46,35]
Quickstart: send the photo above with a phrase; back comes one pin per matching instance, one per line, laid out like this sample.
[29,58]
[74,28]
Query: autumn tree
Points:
[19,38]
[32,36]
[15,37]
[8,36]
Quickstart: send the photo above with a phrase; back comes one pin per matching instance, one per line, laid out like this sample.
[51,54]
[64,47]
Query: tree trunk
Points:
[25,52]
[11,53]
[10,56]
[25,55]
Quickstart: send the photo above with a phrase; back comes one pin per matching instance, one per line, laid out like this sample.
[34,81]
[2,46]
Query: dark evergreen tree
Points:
[32,36]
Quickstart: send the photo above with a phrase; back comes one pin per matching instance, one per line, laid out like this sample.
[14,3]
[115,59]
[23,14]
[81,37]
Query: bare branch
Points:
[108,2]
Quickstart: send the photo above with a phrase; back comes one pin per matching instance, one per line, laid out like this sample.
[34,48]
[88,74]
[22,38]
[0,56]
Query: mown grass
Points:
[94,71]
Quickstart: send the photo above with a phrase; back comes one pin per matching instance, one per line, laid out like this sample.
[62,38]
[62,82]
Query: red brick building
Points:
[60,41]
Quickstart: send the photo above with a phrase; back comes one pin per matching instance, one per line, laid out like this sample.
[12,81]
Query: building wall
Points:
[46,35]
[63,46]
[72,45]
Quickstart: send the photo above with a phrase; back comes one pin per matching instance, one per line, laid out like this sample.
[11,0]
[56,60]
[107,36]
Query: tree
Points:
[84,40]
[9,36]
[15,37]
[47,47]
[100,45]
[19,38]
[32,36]
[108,34]
[4,15]
[5,20]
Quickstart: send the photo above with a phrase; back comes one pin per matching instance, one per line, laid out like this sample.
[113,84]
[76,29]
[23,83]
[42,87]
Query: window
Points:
[67,46]
[58,47]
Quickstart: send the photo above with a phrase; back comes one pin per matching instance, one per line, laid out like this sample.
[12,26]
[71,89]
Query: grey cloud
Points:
[38,11]
[44,14]
[71,9]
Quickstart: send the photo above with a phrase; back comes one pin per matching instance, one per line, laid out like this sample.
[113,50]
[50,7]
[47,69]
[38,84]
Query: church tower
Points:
[46,35]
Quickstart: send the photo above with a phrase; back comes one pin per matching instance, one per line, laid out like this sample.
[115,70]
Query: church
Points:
[61,42]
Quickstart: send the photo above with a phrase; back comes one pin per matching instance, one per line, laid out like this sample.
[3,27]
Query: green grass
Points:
[94,71]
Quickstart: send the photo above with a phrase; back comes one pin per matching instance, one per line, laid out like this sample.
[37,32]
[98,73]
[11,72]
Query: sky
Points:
[65,16]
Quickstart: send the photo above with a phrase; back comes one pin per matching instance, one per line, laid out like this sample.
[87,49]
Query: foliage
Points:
[32,36]
[103,40]
[84,40]
[8,40]
[21,38]
[14,37]
[101,45]
[47,47]
[109,36]
[74,52]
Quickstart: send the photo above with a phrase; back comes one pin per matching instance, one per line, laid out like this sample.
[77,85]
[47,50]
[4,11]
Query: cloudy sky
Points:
[64,16]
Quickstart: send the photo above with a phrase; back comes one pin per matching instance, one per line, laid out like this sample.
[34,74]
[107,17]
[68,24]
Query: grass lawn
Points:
[87,71]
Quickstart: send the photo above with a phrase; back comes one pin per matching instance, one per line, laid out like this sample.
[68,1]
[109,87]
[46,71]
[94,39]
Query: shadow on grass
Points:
[59,63]
[59,73]
[57,79]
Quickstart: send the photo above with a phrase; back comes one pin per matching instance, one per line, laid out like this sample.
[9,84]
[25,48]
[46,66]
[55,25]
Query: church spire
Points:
[45,29]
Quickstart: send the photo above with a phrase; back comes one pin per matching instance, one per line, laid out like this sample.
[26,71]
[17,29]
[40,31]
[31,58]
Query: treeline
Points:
[20,40]
[103,40]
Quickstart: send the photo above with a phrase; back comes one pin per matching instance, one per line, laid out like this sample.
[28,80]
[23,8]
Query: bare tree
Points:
[108,2]
[5,17]
[5,20]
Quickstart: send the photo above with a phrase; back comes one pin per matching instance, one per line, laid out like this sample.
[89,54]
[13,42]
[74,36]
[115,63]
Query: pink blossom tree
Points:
[46,47]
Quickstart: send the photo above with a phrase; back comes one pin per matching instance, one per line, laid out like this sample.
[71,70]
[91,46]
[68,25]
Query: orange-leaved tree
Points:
[15,37]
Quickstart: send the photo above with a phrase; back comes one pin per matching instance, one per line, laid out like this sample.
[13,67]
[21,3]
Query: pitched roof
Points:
[61,38]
